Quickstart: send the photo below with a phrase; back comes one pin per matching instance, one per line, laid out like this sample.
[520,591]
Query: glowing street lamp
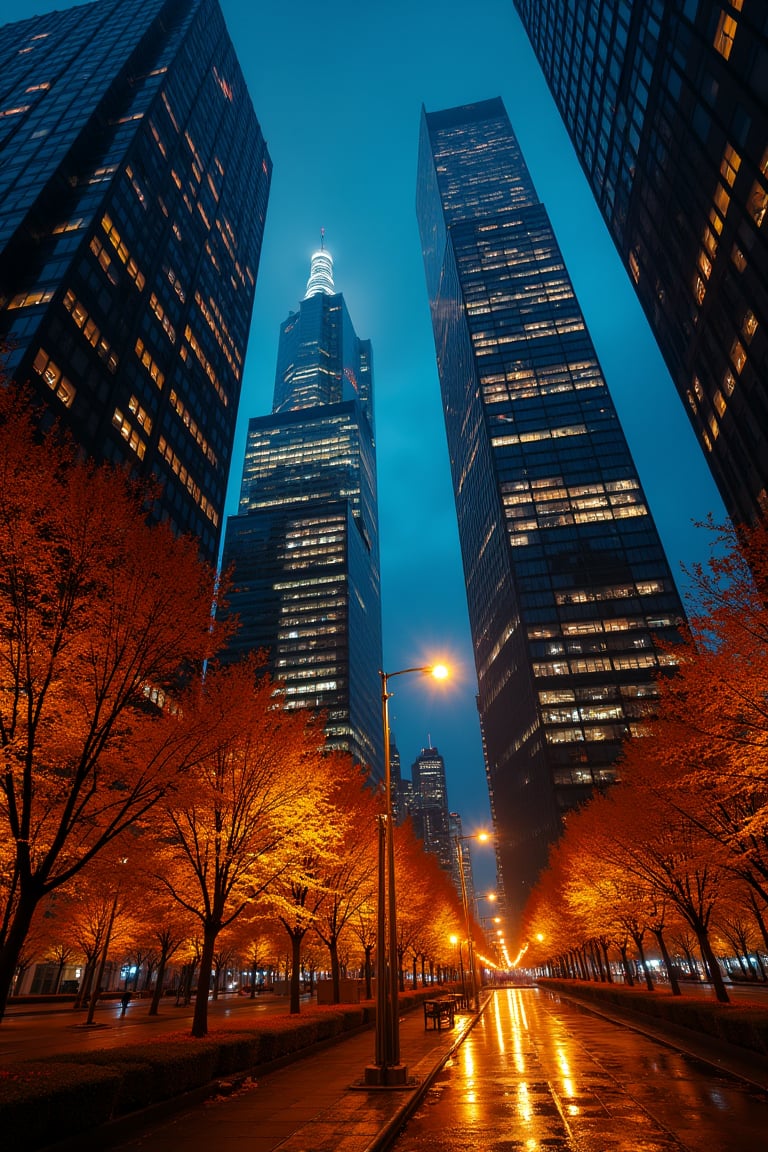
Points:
[387,1071]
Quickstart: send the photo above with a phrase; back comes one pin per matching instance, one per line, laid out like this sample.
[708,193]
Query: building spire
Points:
[320,271]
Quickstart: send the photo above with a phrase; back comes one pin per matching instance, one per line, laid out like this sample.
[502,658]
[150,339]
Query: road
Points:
[540,1074]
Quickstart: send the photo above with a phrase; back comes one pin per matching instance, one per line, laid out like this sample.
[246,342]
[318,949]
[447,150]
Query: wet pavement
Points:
[540,1074]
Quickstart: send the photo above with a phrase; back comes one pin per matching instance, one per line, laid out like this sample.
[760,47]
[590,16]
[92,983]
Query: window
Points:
[757,203]
[725,34]
[749,324]
[63,389]
[730,165]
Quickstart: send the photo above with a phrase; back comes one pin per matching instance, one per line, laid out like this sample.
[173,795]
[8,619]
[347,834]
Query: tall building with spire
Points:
[568,588]
[666,104]
[303,550]
[430,805]
[134,180]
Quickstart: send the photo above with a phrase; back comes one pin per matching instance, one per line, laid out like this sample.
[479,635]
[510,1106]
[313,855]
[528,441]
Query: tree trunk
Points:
[368,973]
[625,965]
[333,949]
[608,973]
[708,957]
[14,942]
[671,974]
[200,1017]
[760,919]
[296,938]
[638,939]
[154,1007]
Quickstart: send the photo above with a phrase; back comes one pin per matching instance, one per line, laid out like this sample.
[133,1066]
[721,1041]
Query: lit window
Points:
[724,36]
[719,402]
[29,299]
[705,264]
[129,434]
[738,355]
[729,382]
[730,165]
[634,267]
[51,374]
[738,257]
[749,324]
[699,289]
[722,199]
[757,203]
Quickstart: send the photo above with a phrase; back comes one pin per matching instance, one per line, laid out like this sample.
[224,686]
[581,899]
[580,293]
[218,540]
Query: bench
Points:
[439,1011]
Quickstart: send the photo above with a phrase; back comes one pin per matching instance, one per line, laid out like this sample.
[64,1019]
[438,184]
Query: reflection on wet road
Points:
[538,1074]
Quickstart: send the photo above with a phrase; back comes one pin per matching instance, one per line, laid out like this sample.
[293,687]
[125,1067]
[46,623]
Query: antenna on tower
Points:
[322,239]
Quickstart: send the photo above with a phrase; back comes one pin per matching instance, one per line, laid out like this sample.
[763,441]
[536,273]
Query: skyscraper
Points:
[567,584]
[134,180]
[303,549]
[667,107]
[430,806]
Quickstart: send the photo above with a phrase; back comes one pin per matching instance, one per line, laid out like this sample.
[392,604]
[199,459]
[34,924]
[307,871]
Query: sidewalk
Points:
[312,1105]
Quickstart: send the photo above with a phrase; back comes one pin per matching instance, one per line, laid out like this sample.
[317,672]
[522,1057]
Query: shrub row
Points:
[745,1026]
[42,1101]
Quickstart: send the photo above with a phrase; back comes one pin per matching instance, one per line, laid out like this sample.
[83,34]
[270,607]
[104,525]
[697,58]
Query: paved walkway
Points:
[315,1104]
[541,1072]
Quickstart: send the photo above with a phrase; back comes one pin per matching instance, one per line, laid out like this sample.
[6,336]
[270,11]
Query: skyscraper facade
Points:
[568,588]
[303,550]
[667,107]
[134,180]
[430,806]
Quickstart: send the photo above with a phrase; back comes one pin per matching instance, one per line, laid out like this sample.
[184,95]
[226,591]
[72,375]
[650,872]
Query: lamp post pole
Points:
[467,926]
[388,1072]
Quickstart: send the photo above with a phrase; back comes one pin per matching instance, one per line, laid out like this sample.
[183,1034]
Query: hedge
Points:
[42,1101]
[745,1026]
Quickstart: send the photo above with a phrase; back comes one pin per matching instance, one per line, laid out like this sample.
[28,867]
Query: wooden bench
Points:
[439,1011]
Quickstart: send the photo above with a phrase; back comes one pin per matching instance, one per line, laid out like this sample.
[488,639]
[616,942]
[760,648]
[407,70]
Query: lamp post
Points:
[456,940]
[387,1071]
[483,836]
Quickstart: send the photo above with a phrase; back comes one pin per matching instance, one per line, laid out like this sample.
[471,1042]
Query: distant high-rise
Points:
[134,180]
[567,584]
[430,805]
[461,861]
[667,107]
[304,547]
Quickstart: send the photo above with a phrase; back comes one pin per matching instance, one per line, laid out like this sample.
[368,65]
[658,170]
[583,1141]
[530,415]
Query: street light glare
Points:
[483,836]
[439,671]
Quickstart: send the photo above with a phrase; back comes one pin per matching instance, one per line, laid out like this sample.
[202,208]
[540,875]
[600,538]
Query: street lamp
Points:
[456,940]
[387,1071]
[482,837]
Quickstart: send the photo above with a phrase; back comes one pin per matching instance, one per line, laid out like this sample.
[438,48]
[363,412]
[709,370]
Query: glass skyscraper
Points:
[667,107]
[429,810]
[568,588]
[134,180]
[303,550]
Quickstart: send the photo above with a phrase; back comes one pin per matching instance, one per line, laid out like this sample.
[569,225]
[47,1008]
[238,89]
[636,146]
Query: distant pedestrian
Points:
[125,1000]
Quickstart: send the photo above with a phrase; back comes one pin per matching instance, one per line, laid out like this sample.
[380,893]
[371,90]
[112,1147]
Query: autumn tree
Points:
[255,793]
[351,878]
[99,612]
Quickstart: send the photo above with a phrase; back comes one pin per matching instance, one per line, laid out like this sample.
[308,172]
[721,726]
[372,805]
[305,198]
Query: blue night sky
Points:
[338,90]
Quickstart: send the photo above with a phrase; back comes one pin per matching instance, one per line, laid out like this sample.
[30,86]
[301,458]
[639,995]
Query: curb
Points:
[393,1127]
[731,1060]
